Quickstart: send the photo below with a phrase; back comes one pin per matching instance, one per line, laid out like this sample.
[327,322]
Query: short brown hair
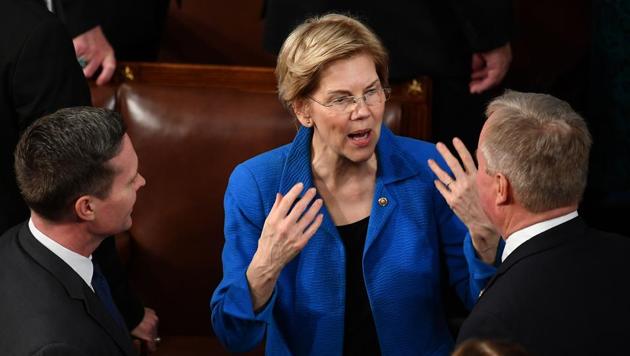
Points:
[64,155]
[319,41]
[541,145]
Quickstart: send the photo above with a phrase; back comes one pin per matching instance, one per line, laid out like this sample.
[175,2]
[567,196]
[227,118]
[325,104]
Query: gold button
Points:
[382,201]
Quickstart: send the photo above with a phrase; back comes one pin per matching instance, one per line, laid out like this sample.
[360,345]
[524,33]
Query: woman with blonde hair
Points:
[335,242]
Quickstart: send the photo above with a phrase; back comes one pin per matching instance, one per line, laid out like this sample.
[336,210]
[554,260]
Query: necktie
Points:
[101,288]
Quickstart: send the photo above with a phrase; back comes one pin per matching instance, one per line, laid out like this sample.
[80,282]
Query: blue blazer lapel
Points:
[75,287]
[298,169]
[393,165]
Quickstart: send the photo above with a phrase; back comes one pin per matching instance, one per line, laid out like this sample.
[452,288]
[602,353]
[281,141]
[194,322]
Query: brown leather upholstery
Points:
[190,126]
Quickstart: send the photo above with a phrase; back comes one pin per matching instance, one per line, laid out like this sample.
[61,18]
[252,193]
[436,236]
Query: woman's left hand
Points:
[461,195]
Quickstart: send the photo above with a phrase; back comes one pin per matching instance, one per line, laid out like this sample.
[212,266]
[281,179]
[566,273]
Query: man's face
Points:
[113,213]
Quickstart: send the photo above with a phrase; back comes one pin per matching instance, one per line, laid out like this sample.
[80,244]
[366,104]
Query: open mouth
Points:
[360,135]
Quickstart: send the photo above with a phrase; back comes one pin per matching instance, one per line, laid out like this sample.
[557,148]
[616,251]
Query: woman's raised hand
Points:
[289,226]
[460,192]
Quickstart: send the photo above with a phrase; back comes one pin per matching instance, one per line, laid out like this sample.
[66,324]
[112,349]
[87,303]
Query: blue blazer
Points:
[405,241]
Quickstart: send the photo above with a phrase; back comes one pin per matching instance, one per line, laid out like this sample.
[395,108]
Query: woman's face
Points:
[345,131]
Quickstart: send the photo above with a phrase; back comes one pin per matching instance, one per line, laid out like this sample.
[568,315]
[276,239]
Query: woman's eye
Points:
[371,92]
[340,100]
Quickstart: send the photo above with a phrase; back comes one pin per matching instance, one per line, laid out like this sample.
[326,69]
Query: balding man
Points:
[562,288]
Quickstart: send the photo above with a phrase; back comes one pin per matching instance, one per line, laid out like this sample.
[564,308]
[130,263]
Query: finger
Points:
[479,74]
[486,83]
[451,161]
[310,214]
[464,154]
[443,190]
[275,207]
[477,62]
[311,230]
[289,199]
[481,86]
[109,66]
[91,67]
[151,346]
[442,175]
[301,205]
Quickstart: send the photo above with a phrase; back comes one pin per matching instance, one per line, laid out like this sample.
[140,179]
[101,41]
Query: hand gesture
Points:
[147,330]
[288,227]
[461,195]
[93,48]
[489,68]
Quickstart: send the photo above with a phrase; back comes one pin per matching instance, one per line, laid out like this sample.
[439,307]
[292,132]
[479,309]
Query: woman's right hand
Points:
[285,233]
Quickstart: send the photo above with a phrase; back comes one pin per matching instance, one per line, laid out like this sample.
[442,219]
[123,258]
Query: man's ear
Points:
[302,111]
[504,189]
[84,208]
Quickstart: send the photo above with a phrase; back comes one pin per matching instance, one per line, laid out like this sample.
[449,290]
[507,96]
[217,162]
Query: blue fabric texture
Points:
[406,239]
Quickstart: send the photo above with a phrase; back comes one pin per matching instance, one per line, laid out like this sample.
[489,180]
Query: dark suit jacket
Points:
[46,308]
[132,27]
[39,74]
[564,292]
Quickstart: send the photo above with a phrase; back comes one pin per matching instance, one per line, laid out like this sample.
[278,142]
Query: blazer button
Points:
[382,201]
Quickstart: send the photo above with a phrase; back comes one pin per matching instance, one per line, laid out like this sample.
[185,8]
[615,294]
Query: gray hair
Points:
[541,145]
[64,155]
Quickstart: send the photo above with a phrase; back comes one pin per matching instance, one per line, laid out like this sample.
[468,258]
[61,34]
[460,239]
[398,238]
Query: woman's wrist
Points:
[261,279]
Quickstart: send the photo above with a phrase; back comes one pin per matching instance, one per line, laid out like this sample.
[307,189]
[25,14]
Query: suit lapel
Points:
[75,287]
[550,239]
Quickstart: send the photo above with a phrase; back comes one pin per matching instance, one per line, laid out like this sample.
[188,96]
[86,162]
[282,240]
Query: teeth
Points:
[358,136]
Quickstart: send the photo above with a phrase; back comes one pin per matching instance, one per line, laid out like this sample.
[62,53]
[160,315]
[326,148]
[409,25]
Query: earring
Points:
[308,123]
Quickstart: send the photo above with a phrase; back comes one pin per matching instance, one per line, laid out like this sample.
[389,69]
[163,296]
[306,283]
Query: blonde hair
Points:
[541,145]
[317,42]
[476,347]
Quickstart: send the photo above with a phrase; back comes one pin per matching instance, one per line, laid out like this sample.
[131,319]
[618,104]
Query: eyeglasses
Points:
[348,103]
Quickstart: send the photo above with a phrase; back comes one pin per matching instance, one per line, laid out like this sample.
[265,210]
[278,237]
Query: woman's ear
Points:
[302,111]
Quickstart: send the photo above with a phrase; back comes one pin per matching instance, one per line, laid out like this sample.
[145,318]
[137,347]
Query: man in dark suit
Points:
[462,45]
[562,288]
[78,173]
[39,74]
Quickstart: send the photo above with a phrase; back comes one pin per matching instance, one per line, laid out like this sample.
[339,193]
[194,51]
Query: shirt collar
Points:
[80,264]
[519,237]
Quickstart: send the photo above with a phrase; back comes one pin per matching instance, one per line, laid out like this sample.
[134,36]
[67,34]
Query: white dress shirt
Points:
[521,236]
[49,5]
[80,264]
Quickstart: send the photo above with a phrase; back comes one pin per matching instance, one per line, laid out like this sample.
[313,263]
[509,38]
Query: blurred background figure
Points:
[39,74]
[463,46]
[607,199]
[105,31]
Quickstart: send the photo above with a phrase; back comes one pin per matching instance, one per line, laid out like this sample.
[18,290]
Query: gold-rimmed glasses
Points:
[348,103]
